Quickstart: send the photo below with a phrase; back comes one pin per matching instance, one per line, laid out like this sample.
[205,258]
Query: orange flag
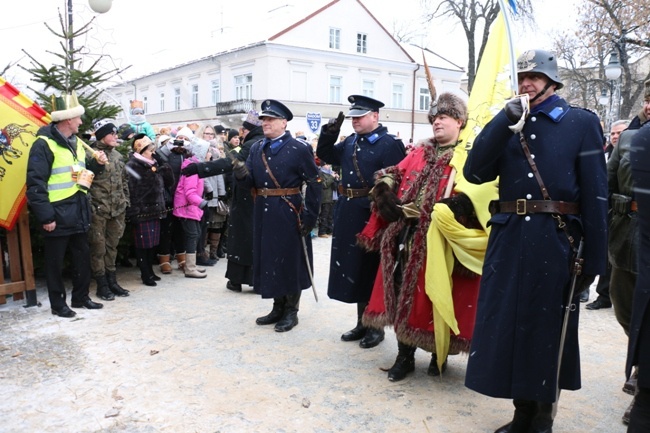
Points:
[20,119]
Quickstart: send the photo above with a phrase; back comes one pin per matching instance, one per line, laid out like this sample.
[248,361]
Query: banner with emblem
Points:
[20,120]
[314,120]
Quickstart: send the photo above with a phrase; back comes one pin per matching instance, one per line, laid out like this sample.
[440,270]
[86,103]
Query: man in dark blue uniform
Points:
[369,149]
[278,167]
[552,196]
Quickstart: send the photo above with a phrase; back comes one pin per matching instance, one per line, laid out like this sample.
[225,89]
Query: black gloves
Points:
[209,195]
[333,127]
[514,110]
[240,170]
[307,225]
[190,170]
[387,202]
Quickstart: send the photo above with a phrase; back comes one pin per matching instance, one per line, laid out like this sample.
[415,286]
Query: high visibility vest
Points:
[61,185]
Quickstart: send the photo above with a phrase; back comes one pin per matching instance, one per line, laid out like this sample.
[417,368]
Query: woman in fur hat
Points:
[405,197]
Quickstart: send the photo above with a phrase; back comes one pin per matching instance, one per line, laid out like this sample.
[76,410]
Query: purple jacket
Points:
[189,192]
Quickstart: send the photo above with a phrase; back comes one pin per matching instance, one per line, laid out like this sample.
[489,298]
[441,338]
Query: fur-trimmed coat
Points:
[146,186]
[422,178]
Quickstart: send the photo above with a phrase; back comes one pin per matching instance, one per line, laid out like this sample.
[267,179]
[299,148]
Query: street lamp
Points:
[613,72]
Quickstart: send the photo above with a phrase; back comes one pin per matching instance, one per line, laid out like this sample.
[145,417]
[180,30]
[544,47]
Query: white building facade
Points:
[311,65]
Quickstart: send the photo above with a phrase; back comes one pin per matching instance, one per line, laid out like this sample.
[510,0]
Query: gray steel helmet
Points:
[542,62]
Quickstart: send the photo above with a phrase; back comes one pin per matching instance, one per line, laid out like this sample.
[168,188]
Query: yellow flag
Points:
[490,91]
[20,119]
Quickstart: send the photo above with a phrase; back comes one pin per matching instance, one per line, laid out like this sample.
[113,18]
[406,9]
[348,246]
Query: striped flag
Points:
[20,119]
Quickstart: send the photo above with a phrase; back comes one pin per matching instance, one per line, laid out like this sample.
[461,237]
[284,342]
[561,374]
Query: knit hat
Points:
[124,131]
[252,120]
[142,142]
[162,140]
[220,129]
[185,132]
[103,128]
[200,149]
[232,133]
[66,107]
[451,105]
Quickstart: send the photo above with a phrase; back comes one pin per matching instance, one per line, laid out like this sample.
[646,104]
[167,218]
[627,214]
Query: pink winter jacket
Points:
[189,191]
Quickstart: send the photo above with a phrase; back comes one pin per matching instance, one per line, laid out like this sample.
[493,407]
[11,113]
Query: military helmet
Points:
[542,62]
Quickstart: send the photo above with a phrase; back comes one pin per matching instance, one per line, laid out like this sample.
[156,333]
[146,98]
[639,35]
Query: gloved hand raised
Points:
[333,127]
[209,195]
[240,170]
[386,202]
[190,170]
[516,111]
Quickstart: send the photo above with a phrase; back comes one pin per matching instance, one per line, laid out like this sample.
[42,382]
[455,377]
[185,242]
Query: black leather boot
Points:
[141,256]
[525,410]
[372,338]
[290,318]
[404,363]
[275,315]
[543,420]
[113,286]
[433,369]
[359,331]
[103,291]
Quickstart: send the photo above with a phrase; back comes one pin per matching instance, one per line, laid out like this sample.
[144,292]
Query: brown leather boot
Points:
[180,258]
[213,240]
[165,265]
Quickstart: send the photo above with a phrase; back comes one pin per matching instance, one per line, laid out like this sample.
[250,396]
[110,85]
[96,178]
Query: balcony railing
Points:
[239,106]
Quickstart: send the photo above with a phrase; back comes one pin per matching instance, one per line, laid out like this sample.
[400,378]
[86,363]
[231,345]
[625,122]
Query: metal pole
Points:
[70,59]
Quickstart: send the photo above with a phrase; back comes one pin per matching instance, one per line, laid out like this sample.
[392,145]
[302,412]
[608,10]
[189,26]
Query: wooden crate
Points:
[16,266]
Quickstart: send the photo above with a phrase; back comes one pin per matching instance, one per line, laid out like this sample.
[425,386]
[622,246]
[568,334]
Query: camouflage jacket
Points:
[109,193]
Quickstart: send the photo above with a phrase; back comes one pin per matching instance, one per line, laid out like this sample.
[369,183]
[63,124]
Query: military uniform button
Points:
[533,119]
[528,196]
[527,218]
[533,136]
[530,174]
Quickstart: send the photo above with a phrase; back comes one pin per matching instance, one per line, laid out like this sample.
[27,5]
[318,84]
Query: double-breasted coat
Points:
[279,263]
[352,269]
[526,274]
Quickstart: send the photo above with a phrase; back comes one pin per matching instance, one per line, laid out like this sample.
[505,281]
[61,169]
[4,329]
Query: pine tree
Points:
[70,75]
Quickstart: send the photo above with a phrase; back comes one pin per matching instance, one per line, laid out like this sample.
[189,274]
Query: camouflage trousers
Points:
[103,237]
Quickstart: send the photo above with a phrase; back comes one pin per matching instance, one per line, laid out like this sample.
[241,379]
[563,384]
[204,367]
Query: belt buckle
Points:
[263,194]
[349,193]
[521,206]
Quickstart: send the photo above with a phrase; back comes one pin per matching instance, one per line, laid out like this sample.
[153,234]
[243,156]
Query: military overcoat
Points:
[279,264]
[526,273]
[352,269]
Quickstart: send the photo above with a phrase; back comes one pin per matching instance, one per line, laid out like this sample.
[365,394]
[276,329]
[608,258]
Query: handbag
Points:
[222,208]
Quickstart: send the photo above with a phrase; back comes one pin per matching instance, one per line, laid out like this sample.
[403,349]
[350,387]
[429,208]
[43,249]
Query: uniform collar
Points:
[555,108]
[277,143]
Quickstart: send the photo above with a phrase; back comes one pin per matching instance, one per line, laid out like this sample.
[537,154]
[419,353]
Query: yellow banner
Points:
[20,119]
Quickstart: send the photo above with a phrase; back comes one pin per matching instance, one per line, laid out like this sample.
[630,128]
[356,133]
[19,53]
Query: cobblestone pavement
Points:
[186,356]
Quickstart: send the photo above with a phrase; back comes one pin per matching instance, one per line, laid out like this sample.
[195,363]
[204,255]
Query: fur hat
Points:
[103,128]
[451,105]
[252,120]
[142,142]
[66,107]
[185,132]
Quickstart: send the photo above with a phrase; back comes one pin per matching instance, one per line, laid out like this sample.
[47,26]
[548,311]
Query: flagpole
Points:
[511,49]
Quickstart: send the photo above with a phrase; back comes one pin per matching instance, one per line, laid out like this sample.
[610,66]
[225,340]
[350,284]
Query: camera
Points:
[178,142]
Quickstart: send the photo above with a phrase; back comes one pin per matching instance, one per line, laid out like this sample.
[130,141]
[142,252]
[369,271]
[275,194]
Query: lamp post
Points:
[613,72]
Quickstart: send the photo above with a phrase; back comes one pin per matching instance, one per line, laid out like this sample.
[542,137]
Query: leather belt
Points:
[633,207]
[276,192]
[353,193]
[523,207]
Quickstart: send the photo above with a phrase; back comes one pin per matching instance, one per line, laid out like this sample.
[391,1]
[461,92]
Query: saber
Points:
[311,275]
[577,270]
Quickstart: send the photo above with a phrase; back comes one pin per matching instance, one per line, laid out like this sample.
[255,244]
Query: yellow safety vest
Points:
[61,185]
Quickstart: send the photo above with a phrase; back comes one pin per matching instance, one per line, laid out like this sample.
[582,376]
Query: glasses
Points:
[211,134]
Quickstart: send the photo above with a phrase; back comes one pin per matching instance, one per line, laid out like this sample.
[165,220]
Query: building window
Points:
[398,95]
[177,98]
[335,89]
[335,38]
[216,92]
[244,86]
[145,104]
[161,98]
[368,88]
[362,43]
[195,95]
[425,98]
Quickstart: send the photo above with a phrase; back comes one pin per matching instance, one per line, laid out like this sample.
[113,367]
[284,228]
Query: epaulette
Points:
[303,141]
[584,108]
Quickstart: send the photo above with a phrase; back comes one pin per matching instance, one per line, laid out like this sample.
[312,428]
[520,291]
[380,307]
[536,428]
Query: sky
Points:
[151,35]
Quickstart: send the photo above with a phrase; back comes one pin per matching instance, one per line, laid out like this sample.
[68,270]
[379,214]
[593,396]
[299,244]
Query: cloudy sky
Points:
[151,35]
